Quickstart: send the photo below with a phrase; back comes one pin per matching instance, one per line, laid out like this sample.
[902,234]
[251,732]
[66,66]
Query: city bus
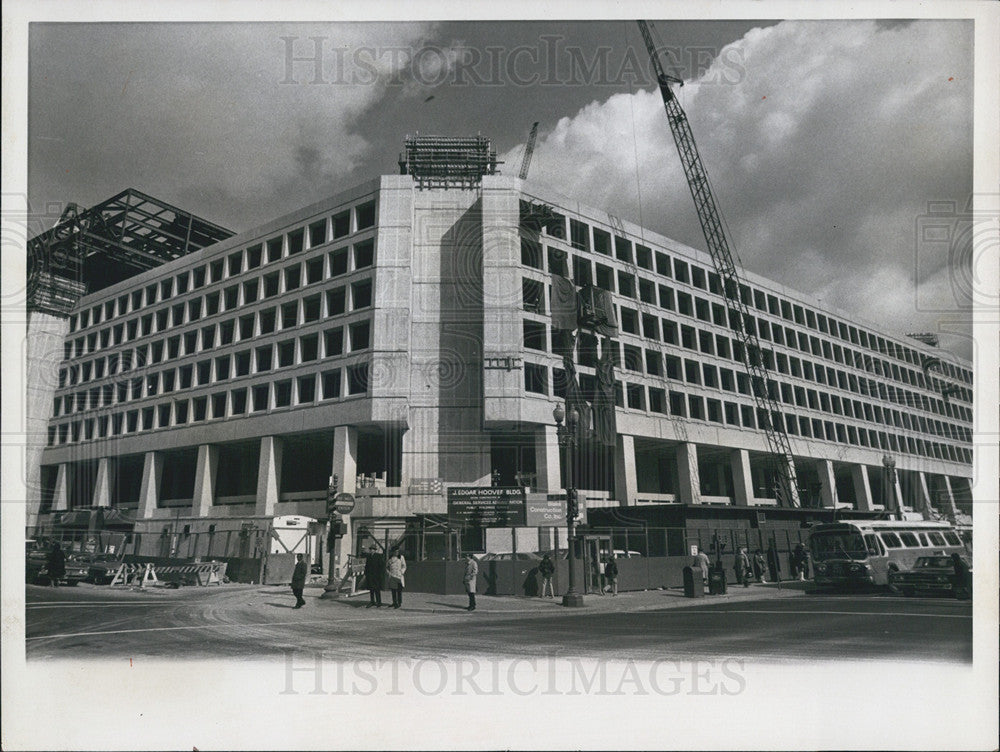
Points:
[864,552]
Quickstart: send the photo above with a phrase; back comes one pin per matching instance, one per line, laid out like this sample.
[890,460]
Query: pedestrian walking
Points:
[471,573]
[374,576]
[611,574]
[758,566]
[299,580]
[545,570]
[743,568]
[962,579]
[55,562]
[773,563]
[702,561]
[397,581]
[801,561]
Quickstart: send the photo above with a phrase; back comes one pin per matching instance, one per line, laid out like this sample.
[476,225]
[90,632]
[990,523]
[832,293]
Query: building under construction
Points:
[400,336]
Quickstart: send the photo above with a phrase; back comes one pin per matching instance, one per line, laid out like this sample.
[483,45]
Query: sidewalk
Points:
[642,600]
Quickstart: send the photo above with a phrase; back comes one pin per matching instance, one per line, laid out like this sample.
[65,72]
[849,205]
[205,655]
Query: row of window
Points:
[229,299]
[647,325]
[288,353]
[328,385]
[330,303]
[698,407]
[583,273]
[235,263]
[653,363]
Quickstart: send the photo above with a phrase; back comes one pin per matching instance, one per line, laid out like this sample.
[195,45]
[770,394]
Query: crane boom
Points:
[528,151]
[762,387]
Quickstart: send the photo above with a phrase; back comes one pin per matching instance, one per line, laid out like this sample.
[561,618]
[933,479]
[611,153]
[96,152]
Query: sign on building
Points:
[545,513]
[486,507]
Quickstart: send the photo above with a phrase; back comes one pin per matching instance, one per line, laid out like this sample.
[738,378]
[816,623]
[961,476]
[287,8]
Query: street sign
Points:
[486,507]
[344,503]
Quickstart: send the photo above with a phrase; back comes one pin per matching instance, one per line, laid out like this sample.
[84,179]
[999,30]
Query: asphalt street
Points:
[254,622]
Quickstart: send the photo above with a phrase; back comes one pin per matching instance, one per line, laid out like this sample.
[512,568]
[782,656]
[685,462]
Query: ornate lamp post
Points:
[567,442]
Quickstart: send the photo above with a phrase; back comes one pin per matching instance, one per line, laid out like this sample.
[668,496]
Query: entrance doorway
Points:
[596,551]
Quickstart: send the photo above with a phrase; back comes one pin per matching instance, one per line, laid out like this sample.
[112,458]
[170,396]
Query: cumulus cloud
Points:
[238,120]
[823,155]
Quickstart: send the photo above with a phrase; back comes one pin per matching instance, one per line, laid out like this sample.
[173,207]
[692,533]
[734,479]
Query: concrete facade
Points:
[400,338]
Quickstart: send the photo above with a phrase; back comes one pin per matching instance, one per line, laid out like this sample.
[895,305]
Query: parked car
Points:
[101,568]
[929,574]
[36,566]
[619,554]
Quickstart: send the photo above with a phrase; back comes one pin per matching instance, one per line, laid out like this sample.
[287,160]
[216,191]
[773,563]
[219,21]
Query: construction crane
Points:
[762,387]
[528,151]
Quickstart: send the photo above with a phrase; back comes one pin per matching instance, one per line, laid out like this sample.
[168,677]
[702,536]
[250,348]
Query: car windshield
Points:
[933,561]
[837,546]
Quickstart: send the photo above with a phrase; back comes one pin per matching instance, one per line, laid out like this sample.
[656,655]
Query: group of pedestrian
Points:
[767,568]
[379,573]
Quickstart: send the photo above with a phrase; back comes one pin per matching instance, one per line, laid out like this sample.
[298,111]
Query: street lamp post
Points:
[333,527]
[889,486]
[567,442]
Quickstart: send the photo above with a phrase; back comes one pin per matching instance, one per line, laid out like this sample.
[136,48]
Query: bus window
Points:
[953,539]
[874,547]
[909,540]
[936,539]
[891,540]
[923,540]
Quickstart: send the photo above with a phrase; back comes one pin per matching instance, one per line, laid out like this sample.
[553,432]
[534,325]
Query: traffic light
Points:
[331,494]
[572,503]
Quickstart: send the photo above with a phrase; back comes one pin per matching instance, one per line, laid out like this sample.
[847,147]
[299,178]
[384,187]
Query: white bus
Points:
[864,552]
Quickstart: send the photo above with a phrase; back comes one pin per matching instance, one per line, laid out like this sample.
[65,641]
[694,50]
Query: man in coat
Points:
[374,576]
[299,580]
[701,561]
[55,563]
[471,573]
[545,570]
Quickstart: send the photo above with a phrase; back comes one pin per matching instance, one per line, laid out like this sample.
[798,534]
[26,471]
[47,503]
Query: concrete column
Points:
[60,495]
[204,480]
[149,493]
[827,484]
[102,488]
[862,488]
[268,475]
[896,493]
[547,458]
[345,457]
[924,496]
[688,479]
[739,461]
[950,509]
[626,482]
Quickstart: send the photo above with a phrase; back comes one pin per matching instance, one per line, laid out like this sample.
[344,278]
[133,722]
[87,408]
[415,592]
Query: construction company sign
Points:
[548,512]
[486,507]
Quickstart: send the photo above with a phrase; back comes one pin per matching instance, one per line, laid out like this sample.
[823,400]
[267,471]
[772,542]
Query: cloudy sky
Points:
[824,140]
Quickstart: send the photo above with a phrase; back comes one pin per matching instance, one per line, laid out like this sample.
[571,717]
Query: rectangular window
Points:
[341,224]
[357,379]
[360,336]
[286,353]
[365,215]
[283,393]
[361,294]
[296,241]
[336,301]
[242,360]
[331,384]
[309,347]
[293,278]
[306,389]
[261,395]
[235,263]
[534,335]
[314,270]
[239,401]
[663,264]
[317,233]
[264,358]
[364,254]
[579,236]
[536,378]
[333,341]
[289,315]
